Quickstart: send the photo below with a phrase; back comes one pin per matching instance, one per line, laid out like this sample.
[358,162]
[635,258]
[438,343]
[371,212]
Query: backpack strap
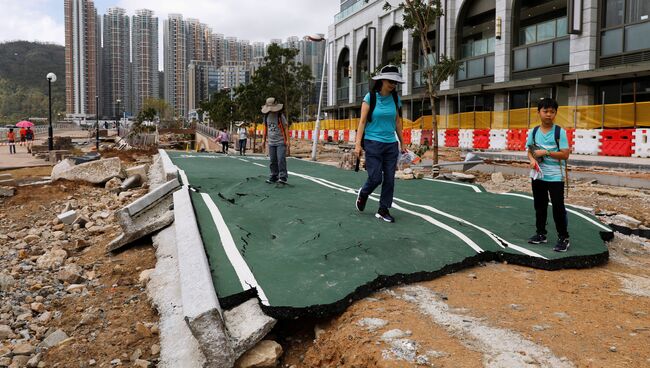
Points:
[395,99]
[373,103]
[557,136]
[535,129]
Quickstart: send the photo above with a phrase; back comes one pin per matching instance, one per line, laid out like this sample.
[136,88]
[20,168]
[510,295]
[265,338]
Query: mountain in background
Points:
[23,83]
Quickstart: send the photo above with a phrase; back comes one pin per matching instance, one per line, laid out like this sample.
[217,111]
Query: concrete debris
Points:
[457,176]
[372,323]
[8,183]
[264,355]
[497,178]
[96,172]
[131,182]
[625,220]
[147,214]
[348,161]
[68,217]
[6,176]
[247,325]
[54,339]
[7,191]
[138,170]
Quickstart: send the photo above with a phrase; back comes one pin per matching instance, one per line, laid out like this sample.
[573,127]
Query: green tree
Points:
[419,16]
[160,106]
[283,78]
[220,108]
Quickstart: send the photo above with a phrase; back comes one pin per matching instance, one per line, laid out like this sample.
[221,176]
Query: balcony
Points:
[476,67]
[541,54]
[343,94]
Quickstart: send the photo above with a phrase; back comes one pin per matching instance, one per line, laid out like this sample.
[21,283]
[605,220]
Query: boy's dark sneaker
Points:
[562,245]
[271,180]
[537,239]
[384,215]
[361,202]
[282,181]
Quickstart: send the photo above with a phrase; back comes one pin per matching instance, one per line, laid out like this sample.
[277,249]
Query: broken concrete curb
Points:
[96,172]
[247,325]
[152,197]
[200,304]
[170,171]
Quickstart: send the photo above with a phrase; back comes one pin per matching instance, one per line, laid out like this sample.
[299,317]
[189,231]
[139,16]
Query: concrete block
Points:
[96,172]
[152,197]
[147,222]
[7,191]
[169,169]
[68,217]
[247,325]
[138,170]
[178,347]
[200,304]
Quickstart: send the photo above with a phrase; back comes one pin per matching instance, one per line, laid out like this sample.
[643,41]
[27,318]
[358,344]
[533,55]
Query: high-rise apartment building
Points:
[145,57]
[233,74]
[218,51]
[117,63]
[197,83]
[175,61]
[81,57]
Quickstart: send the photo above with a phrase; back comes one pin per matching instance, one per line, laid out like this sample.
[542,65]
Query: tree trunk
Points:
[432,93]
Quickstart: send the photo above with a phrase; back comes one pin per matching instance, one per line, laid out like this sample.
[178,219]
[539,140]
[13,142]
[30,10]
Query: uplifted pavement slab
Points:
[303,249]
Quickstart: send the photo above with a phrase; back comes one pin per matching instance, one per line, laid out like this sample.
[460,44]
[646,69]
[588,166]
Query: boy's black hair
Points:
[547,103]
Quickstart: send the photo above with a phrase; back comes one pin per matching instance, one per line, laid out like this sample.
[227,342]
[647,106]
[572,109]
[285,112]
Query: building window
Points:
[625,26]
[476,40]
[542,39]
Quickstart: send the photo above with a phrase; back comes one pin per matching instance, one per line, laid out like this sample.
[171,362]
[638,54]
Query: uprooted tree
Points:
[419,16]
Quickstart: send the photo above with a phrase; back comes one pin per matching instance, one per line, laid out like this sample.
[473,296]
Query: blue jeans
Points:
[381,162]
[278,156]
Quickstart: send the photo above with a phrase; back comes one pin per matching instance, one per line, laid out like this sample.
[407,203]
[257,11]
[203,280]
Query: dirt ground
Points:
[595,317]
[114,319]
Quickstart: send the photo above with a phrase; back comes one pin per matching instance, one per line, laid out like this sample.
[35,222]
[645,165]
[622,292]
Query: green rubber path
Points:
[303,248]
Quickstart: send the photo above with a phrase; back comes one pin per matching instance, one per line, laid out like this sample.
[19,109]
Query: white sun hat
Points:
[271,106]
[389,72]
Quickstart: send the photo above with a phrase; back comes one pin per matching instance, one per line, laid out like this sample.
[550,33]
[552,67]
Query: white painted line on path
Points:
[568,209]
[497,239]
[476,189]
[427,218]
[246,277]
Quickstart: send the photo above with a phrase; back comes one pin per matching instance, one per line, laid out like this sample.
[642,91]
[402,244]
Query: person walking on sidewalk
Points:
[224,138]
[548,147]
[29,139]
[242,133]
[23,131]
[380,135]
[11,138]
[275,133]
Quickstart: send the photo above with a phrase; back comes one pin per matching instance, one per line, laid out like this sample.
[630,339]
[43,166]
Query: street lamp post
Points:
[97,120]
[51,78]
[318,38]
[117,122]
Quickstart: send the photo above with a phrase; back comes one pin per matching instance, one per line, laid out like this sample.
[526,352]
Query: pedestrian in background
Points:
[242,133]
[23,131]
[380,135]
[224,138]
[29,139]
[11,137]
[275,133]
[548,146]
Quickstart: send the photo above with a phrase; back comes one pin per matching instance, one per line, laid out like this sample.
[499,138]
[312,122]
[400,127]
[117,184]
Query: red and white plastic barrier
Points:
[587,141]
[466,138]
[641,143]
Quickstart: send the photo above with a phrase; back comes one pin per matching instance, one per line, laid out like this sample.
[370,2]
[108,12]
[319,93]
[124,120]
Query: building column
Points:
[352,46]
[585,94]
[449,34]
[407,65]
[583,46]
[503,47]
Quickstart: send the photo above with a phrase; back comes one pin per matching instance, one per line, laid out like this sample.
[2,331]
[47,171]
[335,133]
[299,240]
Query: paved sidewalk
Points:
[625,163]
[20,159]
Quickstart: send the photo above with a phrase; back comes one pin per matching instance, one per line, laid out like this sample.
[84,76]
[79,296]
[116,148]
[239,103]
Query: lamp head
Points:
[51,77]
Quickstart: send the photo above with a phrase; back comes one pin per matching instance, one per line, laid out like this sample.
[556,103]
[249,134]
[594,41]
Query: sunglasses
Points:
[391,81]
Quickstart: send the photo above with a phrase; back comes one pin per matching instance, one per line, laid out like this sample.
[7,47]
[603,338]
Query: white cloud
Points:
[28,20]
[253,20]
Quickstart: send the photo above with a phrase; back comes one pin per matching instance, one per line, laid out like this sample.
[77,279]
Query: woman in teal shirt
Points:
[380,132]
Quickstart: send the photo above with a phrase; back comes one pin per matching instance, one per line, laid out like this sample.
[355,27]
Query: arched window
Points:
[343,76]
[475,41]
[391,53]
[540,36]
[419,59]
[361,72]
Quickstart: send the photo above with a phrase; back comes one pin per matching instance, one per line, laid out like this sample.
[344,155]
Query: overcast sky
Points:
[253,20]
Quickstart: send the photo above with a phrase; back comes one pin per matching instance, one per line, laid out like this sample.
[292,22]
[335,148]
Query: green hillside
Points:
[23,86]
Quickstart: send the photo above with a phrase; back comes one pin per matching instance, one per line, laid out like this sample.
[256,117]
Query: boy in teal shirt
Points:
[548,148]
